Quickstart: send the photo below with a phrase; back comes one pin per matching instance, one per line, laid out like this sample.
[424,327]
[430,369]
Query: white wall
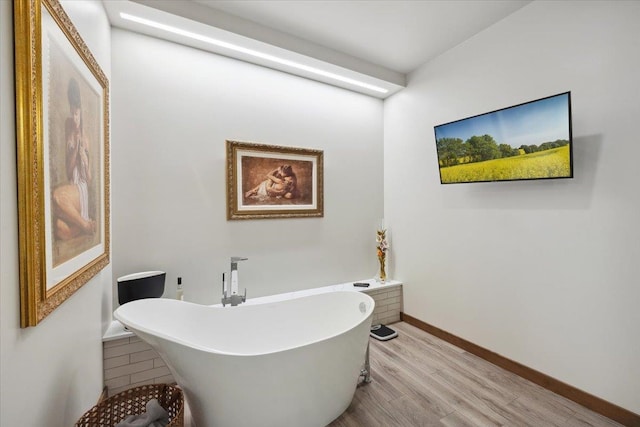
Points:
[50,373]
[173,109]
[546,272]
[541,272]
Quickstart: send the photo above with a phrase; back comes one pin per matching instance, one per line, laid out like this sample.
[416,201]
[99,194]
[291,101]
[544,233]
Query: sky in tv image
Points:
[528,124]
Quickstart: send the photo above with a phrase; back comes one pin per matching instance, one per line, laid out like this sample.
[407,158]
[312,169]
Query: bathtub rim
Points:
[161,335]
[115,330]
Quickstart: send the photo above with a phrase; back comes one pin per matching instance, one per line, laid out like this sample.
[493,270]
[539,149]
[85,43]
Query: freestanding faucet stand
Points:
[230,296]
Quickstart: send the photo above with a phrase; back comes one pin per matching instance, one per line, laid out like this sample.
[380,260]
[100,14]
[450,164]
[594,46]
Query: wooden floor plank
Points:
[420,380]
[482,387]
[409,383]
[411,330]
[583,417]
[460,419]
[472,405]
[412,414]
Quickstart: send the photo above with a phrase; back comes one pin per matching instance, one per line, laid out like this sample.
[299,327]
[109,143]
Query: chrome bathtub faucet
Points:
[230,291]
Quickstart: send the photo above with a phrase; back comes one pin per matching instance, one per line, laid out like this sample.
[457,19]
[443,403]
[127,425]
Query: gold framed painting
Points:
[62,127]
[271,181]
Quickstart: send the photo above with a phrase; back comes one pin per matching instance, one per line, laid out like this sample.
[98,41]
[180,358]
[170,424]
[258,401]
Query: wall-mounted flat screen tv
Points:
[523,142]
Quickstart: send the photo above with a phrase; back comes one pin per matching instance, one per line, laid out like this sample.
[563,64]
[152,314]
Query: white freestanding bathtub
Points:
[291,363]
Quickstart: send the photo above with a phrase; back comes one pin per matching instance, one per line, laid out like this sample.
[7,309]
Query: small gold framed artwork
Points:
[270,181]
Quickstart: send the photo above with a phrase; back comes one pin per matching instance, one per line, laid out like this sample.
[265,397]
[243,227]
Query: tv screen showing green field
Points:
[522,142]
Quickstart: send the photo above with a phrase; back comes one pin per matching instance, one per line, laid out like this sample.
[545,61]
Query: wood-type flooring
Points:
[420,380]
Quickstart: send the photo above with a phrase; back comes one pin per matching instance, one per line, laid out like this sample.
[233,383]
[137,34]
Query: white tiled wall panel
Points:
[388,305]
[130,362]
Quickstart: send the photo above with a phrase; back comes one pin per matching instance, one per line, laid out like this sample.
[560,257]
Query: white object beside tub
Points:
[283,363]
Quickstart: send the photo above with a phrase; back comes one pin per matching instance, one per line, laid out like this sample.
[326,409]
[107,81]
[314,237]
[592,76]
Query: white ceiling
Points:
[398,35]
[376,42]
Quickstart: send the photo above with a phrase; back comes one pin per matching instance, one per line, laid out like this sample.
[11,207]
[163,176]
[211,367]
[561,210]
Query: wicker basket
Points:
[111,411]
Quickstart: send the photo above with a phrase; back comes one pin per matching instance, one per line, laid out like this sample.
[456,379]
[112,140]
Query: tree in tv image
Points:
[527,141]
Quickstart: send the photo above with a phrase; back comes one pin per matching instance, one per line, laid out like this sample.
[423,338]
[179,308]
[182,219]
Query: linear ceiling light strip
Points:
[250,52]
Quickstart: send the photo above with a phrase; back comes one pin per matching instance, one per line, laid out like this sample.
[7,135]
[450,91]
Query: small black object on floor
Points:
[382,332]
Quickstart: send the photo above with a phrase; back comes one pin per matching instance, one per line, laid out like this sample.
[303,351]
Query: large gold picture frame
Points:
[62,132]
[271,181]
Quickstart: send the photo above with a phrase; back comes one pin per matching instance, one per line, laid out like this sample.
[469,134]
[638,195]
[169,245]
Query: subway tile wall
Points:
[130,362]
[388,305]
